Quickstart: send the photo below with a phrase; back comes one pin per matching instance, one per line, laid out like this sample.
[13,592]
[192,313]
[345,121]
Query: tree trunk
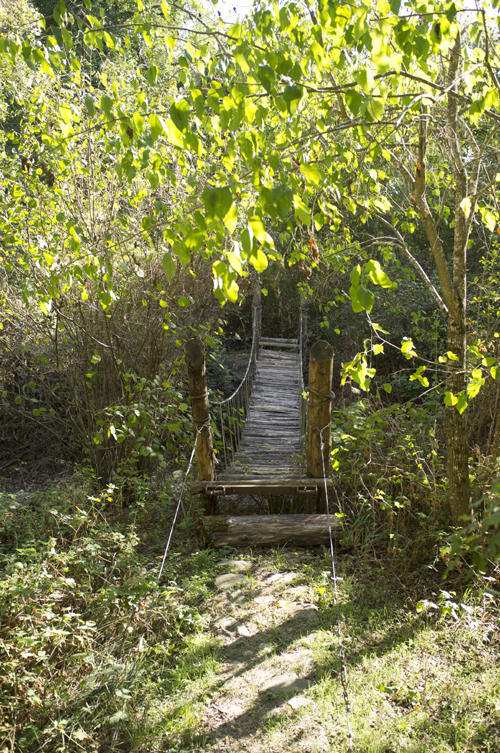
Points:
[456,426]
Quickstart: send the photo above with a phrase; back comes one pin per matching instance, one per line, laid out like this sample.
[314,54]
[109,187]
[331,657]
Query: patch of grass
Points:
[95,655]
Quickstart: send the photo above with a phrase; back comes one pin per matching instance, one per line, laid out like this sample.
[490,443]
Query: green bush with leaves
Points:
[388,472]
[80,610]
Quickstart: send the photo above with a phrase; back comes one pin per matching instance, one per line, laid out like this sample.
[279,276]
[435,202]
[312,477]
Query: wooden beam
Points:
[197,379]
[305,530]
[319,408]
[263,486]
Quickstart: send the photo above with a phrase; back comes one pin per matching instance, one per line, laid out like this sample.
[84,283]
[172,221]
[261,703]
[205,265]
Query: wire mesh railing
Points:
[230,414]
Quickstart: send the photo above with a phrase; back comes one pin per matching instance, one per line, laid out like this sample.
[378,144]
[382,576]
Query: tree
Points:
[309,117]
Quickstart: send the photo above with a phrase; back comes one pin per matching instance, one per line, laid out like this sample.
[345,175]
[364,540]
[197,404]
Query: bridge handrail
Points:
[302,353]
[252,360]
[231,412]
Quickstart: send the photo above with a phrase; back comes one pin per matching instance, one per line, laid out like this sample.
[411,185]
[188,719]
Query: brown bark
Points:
[457,454]
[319,408]
[197,379]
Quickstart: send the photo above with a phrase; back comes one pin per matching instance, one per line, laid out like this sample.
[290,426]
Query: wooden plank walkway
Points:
[270,446]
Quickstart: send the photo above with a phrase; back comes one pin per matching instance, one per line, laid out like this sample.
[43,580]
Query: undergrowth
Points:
[85,630]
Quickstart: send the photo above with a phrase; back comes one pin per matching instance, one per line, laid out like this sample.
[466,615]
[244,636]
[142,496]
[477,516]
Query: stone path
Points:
[264,621]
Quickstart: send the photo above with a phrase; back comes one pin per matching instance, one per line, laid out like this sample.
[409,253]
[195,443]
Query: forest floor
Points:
[235,651]
[264,674]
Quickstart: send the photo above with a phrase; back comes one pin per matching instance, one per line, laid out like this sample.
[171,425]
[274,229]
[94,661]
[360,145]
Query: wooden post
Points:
[257,311]
[197,380]
[304,316]
[319,408]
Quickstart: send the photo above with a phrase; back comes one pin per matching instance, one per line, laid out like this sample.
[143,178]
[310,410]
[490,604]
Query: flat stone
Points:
[264,601]
[309,613]
[223,623]
[228,580]
[245,630]
[300,611]
[236,566]
[286,682]
[299,701]
[281,579]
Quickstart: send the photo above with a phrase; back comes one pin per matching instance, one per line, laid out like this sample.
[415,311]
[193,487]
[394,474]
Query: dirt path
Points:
[269,677]
[267,664]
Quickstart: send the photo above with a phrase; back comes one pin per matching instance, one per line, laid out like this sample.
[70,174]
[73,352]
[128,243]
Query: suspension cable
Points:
[179,502]
[341,651]
[155,596]
[231,412]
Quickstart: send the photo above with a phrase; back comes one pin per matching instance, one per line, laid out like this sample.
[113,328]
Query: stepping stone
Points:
[299,701]
[227,581]
[286,682]
[281,579]
[236,566]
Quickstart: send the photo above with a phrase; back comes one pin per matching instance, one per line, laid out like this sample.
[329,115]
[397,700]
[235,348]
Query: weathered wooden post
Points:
[197,380]
[319,408]
[304,316]
[257,312]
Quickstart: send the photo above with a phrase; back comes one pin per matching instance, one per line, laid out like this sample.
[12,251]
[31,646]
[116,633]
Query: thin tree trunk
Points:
[456,426]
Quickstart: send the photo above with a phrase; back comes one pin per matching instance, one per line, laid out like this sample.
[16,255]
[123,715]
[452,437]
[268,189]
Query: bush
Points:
[79,612]
[388,473]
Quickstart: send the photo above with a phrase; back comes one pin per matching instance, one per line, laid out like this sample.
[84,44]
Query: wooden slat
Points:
[268,459]
[223,530]
[252,485]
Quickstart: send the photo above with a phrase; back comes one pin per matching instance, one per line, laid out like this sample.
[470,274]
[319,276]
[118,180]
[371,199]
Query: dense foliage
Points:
[154,162]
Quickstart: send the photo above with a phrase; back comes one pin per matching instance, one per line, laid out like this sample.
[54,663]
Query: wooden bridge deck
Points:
[270,448]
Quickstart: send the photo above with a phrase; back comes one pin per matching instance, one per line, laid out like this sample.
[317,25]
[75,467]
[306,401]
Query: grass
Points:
[96,657]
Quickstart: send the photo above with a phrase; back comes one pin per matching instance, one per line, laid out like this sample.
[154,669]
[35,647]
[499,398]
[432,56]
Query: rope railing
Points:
[302,366]
[230,414]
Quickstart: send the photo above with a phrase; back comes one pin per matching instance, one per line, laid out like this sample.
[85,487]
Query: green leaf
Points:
[179,112]
[218,201]
[90,105]
[302,211]
[258,260]
[138,122]
[450,399]
[258,230]
[281,197]
[461,403]
[292,96]
[235,262]
[157,125]
[377,274]
[408,348]
[312,174]
[174,135]
[106,105]
[353,99]
[362,299]
[168,265]
[151,75]
[266,76]
[230,219]
[388,388]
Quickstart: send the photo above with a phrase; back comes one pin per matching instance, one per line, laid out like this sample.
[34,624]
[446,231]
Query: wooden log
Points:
[305,530]
[319,408]
[260,485]
[197,379]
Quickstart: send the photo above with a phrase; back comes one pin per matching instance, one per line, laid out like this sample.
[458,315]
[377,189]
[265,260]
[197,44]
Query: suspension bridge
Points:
[271,437]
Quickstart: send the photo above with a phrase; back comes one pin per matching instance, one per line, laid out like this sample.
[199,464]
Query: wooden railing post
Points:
[257,312]
[197,380]
[319,408]
[304,316]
